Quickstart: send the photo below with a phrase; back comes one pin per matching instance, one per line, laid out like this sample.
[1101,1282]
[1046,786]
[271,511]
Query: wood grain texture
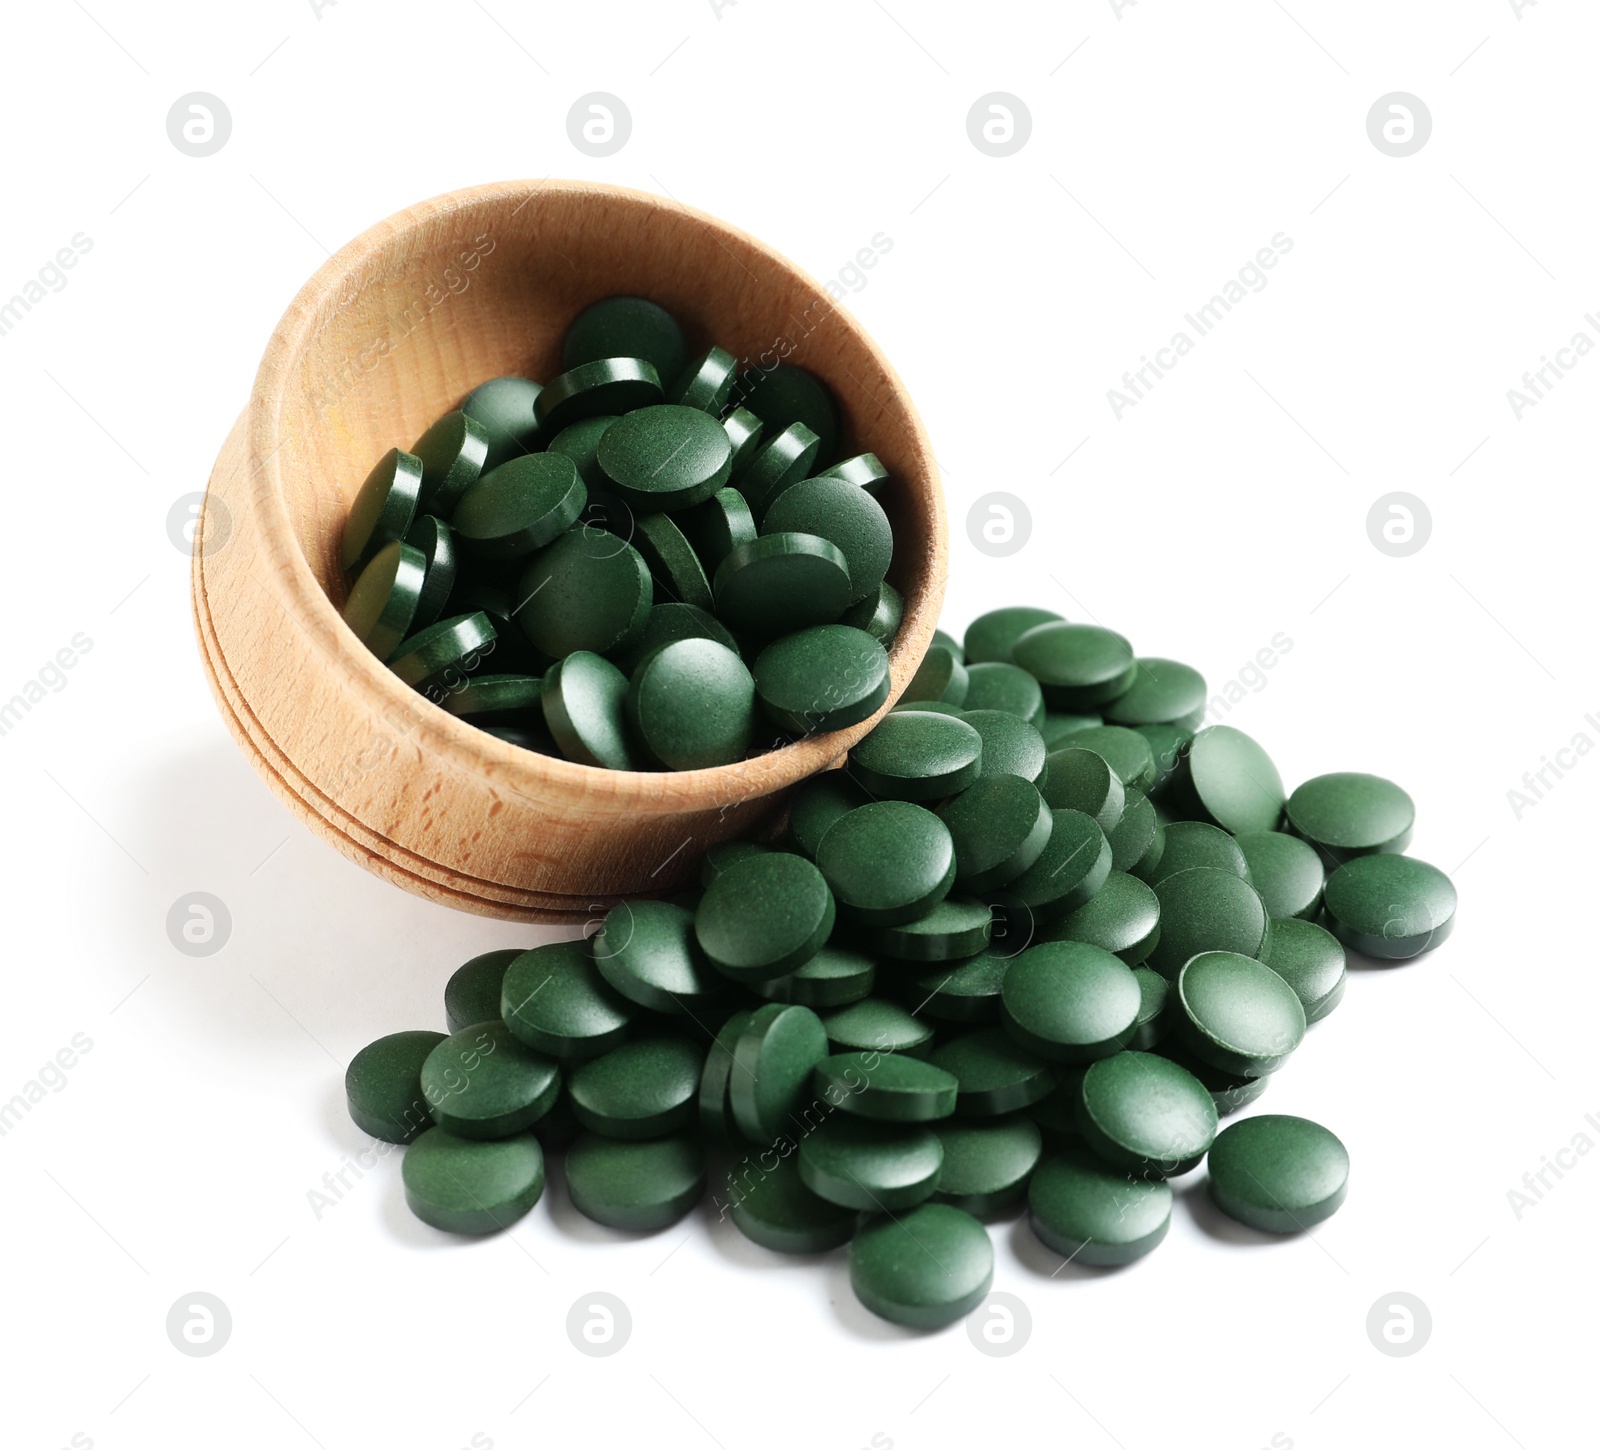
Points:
[390,333]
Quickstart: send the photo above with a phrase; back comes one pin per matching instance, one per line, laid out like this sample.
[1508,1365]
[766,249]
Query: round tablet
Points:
[383,508]
[957,927]
[1081,780]
[503,408]
[707,382]
[887,1087]
[643,1089]
[435,540]
[835,977]
[1123,917]
[482,1082]
[472,994]
[994,685]
[774,1055]
[714,1109]
[554,999]
[1278,1173]
[639,1187]
[580,442]
[442,654]
[847,517]
[520,506]
[1138,840]
[1069,1001]
[1390,907]
[1011,746]
[382,605]
[717,526]
[452,454]
[994,1073]
[999,826]
[665,457]
[963,991]
[990,636]
[1163,692]
[940,677]
[876,1167]
[873,1023]
[1286,871]
[924,1269]
[647,952]
[822,678]
[816,804]
[1232,781]
[746,432]
[1230,1091]
[917,756]
[667,624]
[1311,961]
[1154,992]
[1126,751]
[865,470]
[1167,745]
[1058,725]
[764,916]
[383,1086]
[692,703]
[608,386]
[626,327]
[888,862]
[987,1164]
[1091,1213]
[675,568]
[584,700]
[782,395]
[1238,1014]
[465,1186]
[587,591]
[773,1207]
[781,582]
[1076,664]
[879,614]
[487,698]
[783,460]
[1069,871]
[723,854]
[1186,845]
[1145,1114]
[1349,814]
[1206,910]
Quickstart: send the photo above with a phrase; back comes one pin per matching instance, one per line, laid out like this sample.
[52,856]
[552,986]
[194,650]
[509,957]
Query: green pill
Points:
[383,1086]
[1230,1091]
[472,994]
[504,409]
[835,977]
[1123,917]
[1069,1001]
[1349,814]
[1058,725]
[626,327]
[782,395]
[435,540]
[1238,1014]
[1154,991]
[382,604]
[987,1164]
[482,1082]
[764,916]
[963,991]
[954,929]
[816,804]
[864,471]
[1077,665]
[925,1269]
[1186,845]
[999,826]
[745,432]
[707,383]
[1091,1213]
[994,685]
[692,704]
[1286,871]
[991,636]
[1167,744]
[941,678]
[667,624]
[587,591]
[1390,907]
[580,442]
[383,508]
[917,756]
[1081,780]
[875,1167]
[465,1186]
[520,506]
[723,854]
[994,1073]
[610,386]
[783,460]
[1126,751]
[554,1000]
[639,1187]
[646,951]
[772,1206]
[715,1111]
[665,457]
[452,454]
[822,678]
[1229,780]
[675,568]
[487,698]
[717,526]
[1278,1173]
[887,1087]
[781,582]
[888,862]
[1144,1114]
[878,1025]
[1206,910]
[879,614]
[584,699]
[1311,961]
[774,1055]
[1138,840]
[642,1089]
[1163,692]
[847,517]
[1069,871]
[513,653]
[1011,746]
[441,656]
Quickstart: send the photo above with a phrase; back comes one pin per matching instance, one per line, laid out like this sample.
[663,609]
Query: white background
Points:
[1168,144]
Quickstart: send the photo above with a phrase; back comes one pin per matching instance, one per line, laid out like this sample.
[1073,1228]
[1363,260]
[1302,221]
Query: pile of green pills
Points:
[1025,951]
[657,560]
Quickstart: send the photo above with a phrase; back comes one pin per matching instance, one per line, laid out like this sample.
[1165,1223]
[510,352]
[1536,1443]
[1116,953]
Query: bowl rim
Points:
[450,740]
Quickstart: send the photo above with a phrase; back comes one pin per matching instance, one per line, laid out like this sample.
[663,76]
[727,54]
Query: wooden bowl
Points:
[389,334]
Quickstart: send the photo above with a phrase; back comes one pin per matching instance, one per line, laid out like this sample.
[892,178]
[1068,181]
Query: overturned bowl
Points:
[391,332]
